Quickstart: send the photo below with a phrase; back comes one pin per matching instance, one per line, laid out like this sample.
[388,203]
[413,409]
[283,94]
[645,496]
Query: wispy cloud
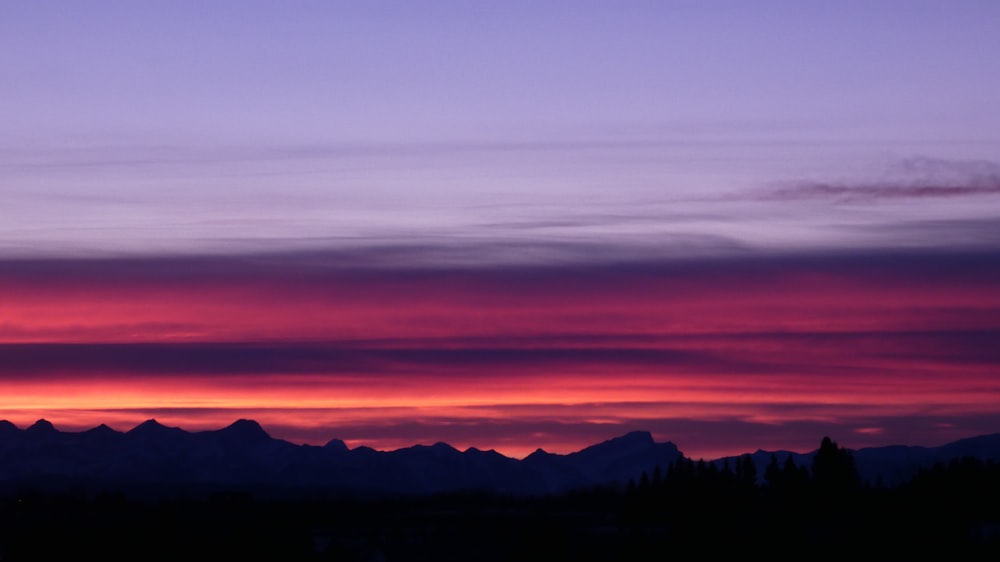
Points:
[871,192]
[913,178]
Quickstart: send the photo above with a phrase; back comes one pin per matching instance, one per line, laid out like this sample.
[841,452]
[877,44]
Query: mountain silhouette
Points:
[891,464]
[153,458]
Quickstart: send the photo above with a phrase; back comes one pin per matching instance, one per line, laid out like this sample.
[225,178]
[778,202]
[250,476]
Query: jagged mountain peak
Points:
[244,424]
[479,453]
[245,430]
[439,448]
[337,445]
[643,437]
[632,441]
[152,429]
[102,429]
[538,454]
[244,453]
[42,426]
[148,425]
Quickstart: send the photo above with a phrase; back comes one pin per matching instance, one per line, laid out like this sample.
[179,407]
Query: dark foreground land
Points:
[688,507]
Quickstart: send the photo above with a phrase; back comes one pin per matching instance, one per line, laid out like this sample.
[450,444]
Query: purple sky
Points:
[347,174]
[234,126]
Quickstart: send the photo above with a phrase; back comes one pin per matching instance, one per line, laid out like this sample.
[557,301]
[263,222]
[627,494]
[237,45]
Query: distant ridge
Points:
[892,464]
[152,458]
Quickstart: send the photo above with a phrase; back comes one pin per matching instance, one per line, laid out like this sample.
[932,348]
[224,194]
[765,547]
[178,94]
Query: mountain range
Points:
[154,459]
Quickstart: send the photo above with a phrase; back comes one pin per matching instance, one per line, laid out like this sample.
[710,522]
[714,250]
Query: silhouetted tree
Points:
[644,480]
[746,473]
[833,469]
[772,474]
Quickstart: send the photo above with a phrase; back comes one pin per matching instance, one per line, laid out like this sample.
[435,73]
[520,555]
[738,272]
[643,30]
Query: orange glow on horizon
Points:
[445,353]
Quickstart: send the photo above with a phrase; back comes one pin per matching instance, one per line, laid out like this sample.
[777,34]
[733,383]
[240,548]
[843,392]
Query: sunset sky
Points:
[506,225]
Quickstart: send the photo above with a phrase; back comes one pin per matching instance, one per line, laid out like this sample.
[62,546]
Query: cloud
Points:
[438,358]
[324,297]
[967,232]
[940,170]
[404,259]
[872,192]
[913,178]
[534,355]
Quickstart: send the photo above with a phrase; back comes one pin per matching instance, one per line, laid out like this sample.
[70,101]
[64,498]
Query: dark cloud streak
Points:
[511,356]
[872,192]
[912,178]
[407,261]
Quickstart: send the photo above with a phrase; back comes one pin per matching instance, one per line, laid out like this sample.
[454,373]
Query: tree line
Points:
[953,505]
[727,509]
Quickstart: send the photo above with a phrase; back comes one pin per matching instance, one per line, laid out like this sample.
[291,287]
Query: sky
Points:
[506,225]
